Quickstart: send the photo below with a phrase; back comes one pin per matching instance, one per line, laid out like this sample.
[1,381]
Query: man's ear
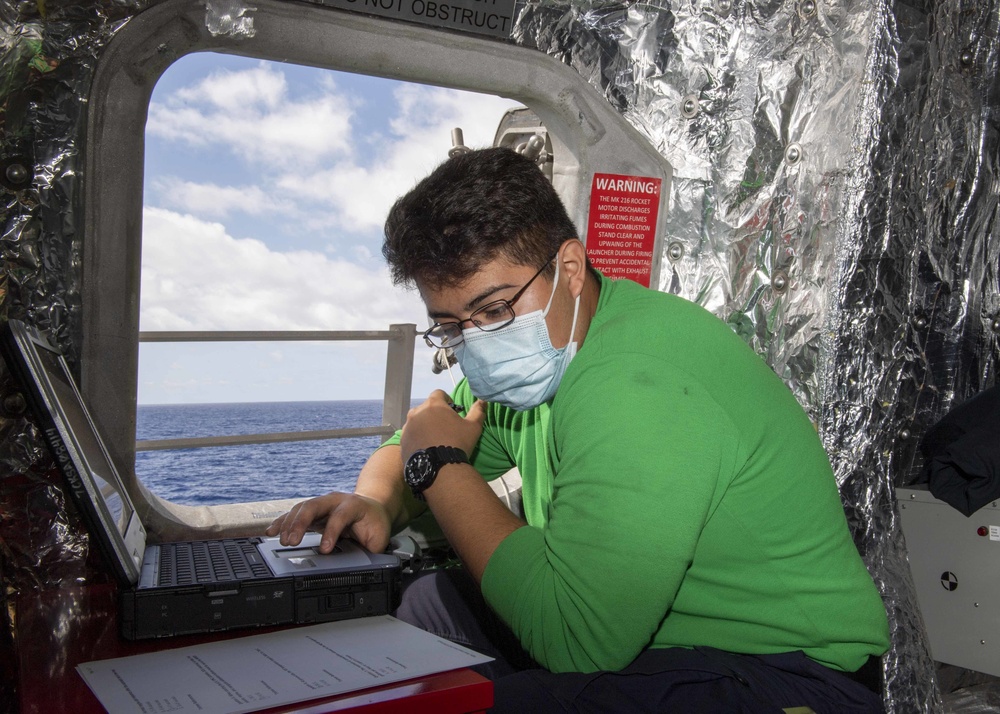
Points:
[573,264]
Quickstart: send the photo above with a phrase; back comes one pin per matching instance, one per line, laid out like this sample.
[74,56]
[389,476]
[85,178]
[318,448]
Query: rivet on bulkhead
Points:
[14,403]
[675,251]
[793,154]
[689,107]
[16,173]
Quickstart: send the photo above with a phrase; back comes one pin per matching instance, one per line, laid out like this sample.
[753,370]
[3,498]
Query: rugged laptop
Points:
[179,588]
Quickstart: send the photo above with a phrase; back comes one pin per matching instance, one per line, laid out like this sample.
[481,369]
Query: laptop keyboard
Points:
[200,562]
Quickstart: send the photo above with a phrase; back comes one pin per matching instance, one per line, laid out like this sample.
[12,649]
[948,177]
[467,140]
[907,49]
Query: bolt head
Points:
[16,173]
[808,8]
[14,403]
[793,153]
[675,251]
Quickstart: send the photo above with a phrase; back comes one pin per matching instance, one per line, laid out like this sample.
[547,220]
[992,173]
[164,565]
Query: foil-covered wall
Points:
[47,57]
[835,199]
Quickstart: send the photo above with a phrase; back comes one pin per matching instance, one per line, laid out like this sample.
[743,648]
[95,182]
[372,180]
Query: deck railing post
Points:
[398,374]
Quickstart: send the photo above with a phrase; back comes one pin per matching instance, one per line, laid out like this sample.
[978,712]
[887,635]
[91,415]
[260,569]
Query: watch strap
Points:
[447,455]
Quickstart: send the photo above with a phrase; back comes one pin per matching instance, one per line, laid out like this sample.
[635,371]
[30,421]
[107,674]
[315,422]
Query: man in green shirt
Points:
[683,546]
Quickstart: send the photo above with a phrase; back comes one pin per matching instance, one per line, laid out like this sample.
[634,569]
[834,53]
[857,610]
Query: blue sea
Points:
[234,474]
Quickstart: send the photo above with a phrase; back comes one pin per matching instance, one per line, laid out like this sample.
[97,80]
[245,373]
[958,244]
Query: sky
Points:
[265,189]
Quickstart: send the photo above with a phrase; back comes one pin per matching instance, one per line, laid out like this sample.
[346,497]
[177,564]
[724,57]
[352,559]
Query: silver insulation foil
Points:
[835,200]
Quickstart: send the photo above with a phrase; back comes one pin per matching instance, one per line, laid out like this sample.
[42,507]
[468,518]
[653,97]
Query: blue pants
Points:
[688,681]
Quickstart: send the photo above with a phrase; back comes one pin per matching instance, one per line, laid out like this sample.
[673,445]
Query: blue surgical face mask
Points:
[516,366]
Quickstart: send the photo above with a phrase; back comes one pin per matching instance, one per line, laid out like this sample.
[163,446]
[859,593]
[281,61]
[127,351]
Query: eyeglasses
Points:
[490,317]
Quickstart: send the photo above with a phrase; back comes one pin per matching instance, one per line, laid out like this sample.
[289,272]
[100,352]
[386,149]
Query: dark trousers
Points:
[688,681]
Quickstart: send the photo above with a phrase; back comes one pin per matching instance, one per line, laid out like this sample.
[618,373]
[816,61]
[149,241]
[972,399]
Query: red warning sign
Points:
[622,225]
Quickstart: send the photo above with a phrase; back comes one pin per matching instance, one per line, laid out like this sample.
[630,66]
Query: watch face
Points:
[418,469]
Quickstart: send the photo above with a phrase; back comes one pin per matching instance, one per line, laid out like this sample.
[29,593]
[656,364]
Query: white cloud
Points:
[252,113]
[235,91]
[195,276]
[302,147]
[362,254]
[209,200]
[359,196]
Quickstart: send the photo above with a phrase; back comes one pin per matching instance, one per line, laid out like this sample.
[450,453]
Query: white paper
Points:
[261,671]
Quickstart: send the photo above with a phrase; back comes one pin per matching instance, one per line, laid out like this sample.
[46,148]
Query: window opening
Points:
[265,187]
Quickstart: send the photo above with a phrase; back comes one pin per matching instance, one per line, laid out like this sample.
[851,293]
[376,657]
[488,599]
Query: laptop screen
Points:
[93,481]
[118,508]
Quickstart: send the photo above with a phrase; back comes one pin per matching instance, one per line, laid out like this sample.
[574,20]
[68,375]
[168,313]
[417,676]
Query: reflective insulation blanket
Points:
[835,200]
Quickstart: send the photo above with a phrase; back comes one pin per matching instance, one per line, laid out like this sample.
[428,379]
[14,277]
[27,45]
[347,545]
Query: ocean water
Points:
[234,474]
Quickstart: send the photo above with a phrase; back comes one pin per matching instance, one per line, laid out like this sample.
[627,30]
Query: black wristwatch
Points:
[422,467]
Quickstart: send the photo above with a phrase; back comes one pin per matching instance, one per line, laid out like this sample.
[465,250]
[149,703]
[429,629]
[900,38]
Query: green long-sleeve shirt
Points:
[676,495]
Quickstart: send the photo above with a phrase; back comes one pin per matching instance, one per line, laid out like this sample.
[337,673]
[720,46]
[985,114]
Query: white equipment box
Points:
[955,561]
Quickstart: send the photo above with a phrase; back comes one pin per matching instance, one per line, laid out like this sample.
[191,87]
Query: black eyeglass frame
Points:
[491,327]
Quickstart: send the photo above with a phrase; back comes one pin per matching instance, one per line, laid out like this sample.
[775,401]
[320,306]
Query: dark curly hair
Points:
[472,209]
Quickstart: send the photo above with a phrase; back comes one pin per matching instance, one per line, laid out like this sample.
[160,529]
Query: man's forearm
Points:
[381,479]
[473,519]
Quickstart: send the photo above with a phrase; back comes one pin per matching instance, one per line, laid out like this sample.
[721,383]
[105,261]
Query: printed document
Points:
[261,671]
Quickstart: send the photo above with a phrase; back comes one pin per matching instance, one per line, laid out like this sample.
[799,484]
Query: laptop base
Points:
[169,612]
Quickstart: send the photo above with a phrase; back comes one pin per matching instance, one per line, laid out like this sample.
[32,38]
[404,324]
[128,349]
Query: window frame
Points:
[587,135]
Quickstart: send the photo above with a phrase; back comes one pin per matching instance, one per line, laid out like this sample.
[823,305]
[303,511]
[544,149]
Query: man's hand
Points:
[435,423]
[364,519]
[472,517]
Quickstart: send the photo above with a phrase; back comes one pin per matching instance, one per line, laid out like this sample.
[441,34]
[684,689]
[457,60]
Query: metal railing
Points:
[395,402]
